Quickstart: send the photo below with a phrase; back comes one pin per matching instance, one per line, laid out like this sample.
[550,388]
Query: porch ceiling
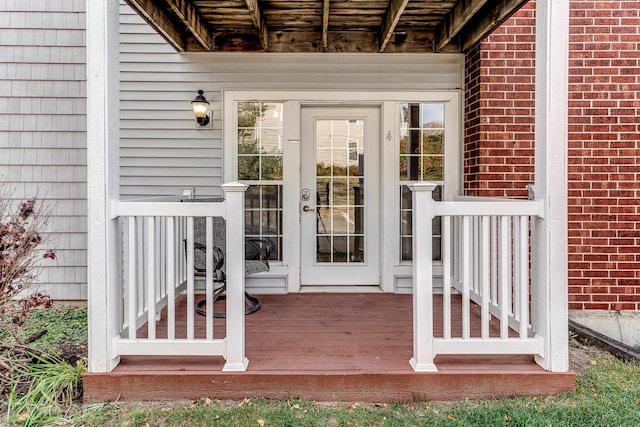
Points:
[324,25]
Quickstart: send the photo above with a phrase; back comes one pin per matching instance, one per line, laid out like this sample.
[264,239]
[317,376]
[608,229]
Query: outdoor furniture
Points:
[257,252]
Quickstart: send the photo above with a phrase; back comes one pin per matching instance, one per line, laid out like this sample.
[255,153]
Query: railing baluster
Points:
[516,267]
[446,276]
[171,273]
[151,278]
[141,262]
[209,278]
[504,277]
[190,279]
[475,228]
[484,268]
[524,277]
[158,262]
[494,260]
[509,263]
[132,307]
[466,268]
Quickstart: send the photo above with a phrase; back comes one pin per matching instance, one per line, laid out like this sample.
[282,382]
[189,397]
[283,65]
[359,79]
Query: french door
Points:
[339,199]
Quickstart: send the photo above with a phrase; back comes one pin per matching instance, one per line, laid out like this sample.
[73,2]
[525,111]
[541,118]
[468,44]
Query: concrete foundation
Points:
[622,326]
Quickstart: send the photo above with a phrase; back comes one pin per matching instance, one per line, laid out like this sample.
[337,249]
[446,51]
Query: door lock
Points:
[306,194]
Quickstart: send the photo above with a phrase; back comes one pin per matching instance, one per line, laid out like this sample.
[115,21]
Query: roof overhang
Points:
[324,25]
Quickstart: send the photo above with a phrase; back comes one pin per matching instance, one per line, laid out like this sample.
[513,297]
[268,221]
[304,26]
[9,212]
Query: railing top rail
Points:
[479,208]
[199,209]
[465,198]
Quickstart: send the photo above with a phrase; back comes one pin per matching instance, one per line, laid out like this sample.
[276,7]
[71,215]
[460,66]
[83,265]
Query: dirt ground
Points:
[582,355]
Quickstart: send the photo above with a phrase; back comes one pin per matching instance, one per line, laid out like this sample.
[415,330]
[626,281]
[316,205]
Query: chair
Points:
[257,253]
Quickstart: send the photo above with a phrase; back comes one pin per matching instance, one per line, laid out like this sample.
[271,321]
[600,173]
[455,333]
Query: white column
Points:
[549,256]
[422,360]
[103,279]
[234,261]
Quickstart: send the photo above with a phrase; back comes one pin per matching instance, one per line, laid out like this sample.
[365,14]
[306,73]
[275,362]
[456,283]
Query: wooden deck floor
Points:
[326,347]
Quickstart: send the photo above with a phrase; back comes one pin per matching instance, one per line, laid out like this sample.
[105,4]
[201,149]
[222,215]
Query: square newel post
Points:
[103,273]
[234,215]
[549,251]
[422,360]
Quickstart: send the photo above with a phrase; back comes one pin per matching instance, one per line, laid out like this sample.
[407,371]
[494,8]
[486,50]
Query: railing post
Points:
[549,252]
[423,352]
[234,260]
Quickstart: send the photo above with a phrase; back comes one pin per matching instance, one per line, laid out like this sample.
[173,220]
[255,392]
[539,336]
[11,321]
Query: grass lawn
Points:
[607,394]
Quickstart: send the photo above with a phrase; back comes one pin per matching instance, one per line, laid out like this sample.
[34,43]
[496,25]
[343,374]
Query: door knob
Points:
[306,208]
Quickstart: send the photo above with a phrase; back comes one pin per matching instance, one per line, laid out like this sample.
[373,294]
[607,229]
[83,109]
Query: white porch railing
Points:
[485,257]
[158,266]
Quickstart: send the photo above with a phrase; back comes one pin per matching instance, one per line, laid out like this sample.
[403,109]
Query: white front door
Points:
[340,188]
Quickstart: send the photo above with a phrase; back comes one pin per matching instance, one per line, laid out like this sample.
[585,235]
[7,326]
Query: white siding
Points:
[42,126]
[161,149]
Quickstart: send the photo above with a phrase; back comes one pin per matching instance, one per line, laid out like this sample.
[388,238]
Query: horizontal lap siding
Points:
[161,149]
[42,127]
[604,140]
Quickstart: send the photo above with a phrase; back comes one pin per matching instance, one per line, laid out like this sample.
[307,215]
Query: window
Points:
[421,159]
[260,135]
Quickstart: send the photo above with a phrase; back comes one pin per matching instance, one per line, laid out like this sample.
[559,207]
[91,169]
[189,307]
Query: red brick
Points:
[604,139]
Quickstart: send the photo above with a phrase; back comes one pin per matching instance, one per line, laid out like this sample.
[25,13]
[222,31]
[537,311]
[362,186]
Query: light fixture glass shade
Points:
[200,107]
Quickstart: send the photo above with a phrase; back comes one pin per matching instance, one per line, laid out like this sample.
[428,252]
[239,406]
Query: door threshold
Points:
[346,289]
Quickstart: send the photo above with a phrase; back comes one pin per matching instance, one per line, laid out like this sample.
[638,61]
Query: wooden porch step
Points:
[187,379]
[327,347]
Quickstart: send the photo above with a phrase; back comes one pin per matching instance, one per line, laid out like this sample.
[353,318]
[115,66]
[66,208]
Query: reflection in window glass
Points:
[421,159]
[339,191]
[260,136]
[260,141]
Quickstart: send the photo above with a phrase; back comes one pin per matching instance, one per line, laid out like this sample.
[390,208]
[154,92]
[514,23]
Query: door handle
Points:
[306,208]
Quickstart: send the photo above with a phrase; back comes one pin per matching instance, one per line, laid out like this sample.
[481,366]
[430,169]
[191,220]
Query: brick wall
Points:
[604,140]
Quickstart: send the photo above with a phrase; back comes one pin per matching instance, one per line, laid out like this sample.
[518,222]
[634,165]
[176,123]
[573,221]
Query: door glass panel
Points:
[339,178]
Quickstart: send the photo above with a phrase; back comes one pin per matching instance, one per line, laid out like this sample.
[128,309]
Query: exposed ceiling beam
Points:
[462,12]
[395,10]
[258,21]
[159,21]
[491,16]
[325,25]
[187,12]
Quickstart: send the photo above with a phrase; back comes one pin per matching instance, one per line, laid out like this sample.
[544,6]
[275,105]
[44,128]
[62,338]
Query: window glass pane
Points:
[247,142]
[249,167]
[271,168]
[432,168]
[432,142]
[432,115]
[271,141]
[248,113]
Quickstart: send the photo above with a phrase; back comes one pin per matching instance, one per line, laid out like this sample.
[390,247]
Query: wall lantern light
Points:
[201,109]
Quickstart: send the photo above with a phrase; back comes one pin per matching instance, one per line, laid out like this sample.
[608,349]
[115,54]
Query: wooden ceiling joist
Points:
[325,25]
[258,20]
[159,20]
[395,10]
[462,12]
[451,26]
[187,12]
[488,19]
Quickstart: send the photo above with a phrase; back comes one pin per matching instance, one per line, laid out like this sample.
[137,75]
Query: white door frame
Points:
[391,268]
